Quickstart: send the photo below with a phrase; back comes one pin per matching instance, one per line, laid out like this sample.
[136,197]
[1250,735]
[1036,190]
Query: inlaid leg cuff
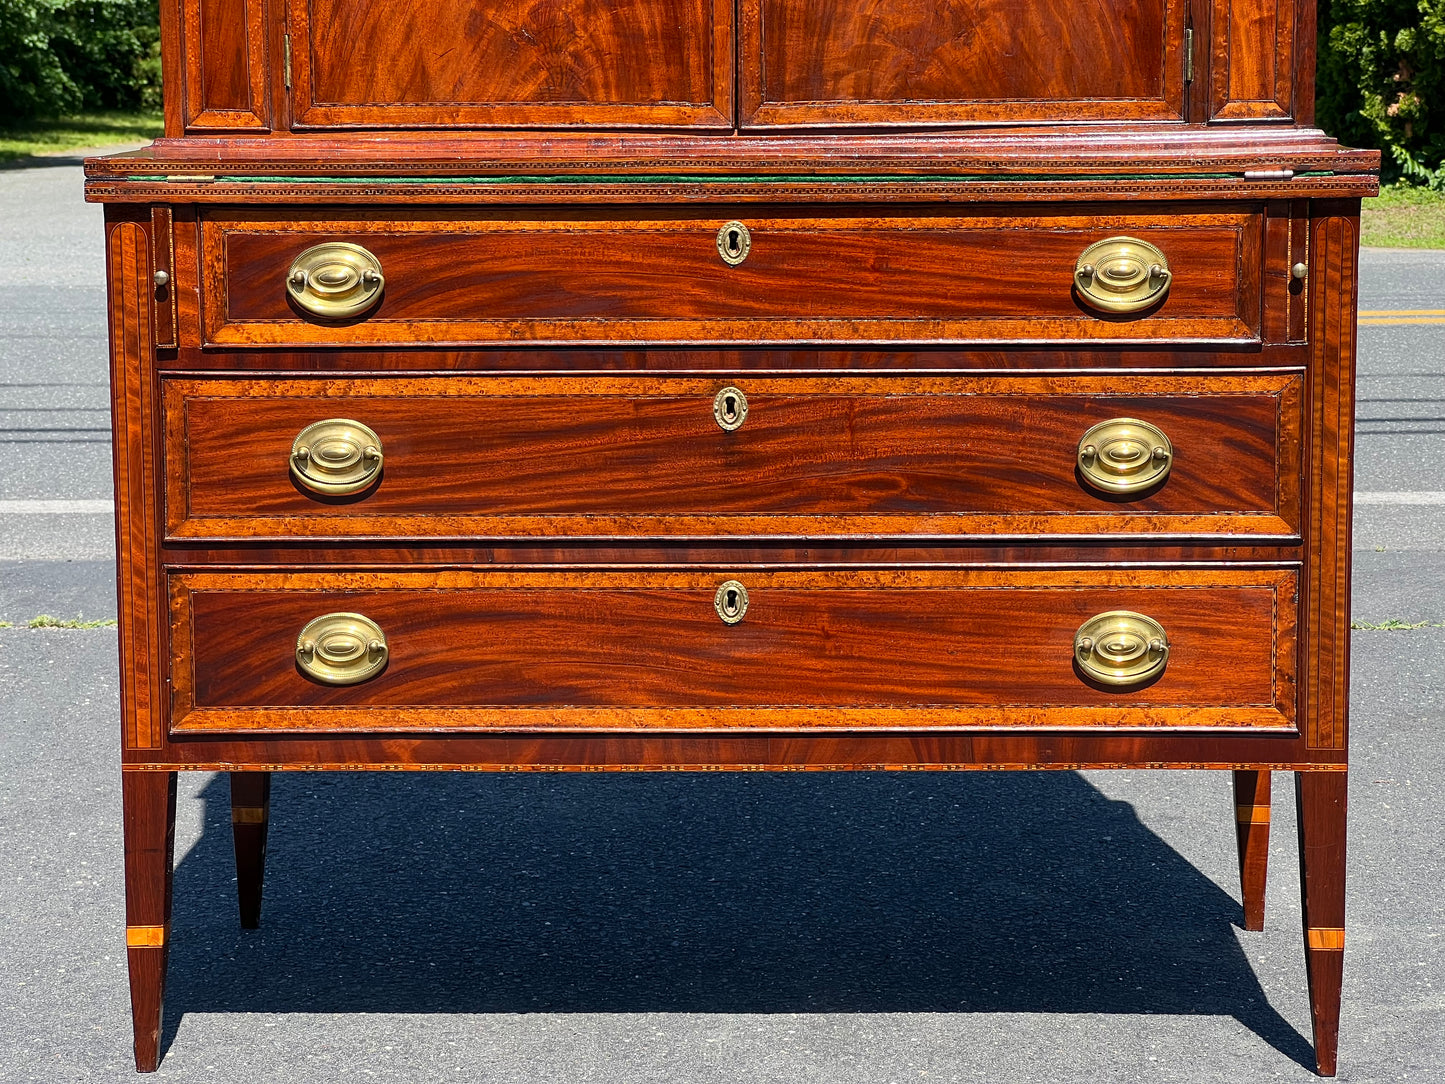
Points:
[1324,937]
[1252,814]
[146,936]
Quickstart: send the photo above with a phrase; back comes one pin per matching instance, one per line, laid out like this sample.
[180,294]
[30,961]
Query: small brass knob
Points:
[734,242]
[1122,274]
[1124,455]
[341,649]
[1121,648]
[335,280]
[730,408]
[731,602]
[336,457]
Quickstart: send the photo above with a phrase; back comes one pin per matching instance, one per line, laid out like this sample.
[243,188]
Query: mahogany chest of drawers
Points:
[788,384]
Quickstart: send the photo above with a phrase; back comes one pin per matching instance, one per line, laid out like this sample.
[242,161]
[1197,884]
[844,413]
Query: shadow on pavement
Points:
[727,893]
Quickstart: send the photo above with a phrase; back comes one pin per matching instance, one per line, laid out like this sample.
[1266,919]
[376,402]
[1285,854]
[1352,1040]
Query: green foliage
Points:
[1381,82]
[63,56]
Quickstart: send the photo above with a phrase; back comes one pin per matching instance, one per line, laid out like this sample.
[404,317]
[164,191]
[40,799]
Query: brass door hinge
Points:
[1188,57]
[286,64]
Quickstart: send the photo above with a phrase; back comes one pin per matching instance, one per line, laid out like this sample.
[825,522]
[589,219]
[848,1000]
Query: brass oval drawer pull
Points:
[1121,648]
[335,280]
[336,457]
[730,408]
[731,602]
[1122,274]
[1124,455]
[341,649]
[734,242]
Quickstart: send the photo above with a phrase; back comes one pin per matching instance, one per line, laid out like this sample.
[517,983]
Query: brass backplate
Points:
[341,649]
[1121,648]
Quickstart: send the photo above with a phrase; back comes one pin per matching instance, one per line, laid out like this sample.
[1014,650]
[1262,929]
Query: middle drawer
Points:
[468,457]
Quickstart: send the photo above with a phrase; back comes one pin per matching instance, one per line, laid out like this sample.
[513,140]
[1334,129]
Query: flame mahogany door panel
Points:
[490,63]
[922,62]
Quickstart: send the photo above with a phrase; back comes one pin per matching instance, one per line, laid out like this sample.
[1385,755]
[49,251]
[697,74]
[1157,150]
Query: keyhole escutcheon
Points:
[731,602]
[730,409]
[734,242]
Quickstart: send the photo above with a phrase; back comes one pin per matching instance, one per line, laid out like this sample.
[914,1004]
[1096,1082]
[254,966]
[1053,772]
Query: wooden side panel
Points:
[476,457]
[601,276]
[1334,250]
[136,483]
[226,67]
[914,62]
[614,63]
[815,650]
[1254,60]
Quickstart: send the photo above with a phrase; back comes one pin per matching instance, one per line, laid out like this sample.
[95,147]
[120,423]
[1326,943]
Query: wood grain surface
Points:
[382,63]
[816,649]
[472,457]
[953,61]
[605,276]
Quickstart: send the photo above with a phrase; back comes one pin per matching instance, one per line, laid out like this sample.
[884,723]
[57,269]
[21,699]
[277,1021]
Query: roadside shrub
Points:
[64,56]
[1382,82]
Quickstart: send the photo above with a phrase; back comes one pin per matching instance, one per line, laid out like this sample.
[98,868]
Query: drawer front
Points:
[621,456]
[596,276]
[597,650]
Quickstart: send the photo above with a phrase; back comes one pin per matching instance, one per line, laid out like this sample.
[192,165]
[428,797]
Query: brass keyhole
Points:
[734,242]
[730,408]
[731,602]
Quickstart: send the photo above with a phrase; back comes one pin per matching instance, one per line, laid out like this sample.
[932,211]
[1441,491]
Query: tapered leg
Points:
[1321,799]
[250,813]
[148,804]
[1251,832]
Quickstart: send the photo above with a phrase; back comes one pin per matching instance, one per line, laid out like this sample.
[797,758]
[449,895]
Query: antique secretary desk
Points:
[734,384]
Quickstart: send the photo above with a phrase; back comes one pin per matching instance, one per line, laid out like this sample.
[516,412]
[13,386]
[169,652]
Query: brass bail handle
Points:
[336,457]
[341,649]
[335,280]
[1121,648]
[1122,275]
[1124,455]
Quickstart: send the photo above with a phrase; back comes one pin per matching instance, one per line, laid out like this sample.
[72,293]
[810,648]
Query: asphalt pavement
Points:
[829,928]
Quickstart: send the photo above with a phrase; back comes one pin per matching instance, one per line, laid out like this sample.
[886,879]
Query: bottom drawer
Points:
[829,650]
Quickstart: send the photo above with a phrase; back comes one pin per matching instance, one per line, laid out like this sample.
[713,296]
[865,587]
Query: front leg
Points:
[148,806]
[1321,800]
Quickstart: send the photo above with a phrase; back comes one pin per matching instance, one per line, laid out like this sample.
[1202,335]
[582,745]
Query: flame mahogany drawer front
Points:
[748,273]
[811,649]
[469,457]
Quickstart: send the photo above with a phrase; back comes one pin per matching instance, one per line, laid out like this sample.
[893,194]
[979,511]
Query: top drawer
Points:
[729,275]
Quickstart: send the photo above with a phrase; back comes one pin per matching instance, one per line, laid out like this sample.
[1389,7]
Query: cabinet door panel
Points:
[958,61]
[360,63]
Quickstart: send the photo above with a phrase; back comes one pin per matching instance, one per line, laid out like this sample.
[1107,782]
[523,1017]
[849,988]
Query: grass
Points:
[45,621]
[1395,625]
[1404,217]
[74,133]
